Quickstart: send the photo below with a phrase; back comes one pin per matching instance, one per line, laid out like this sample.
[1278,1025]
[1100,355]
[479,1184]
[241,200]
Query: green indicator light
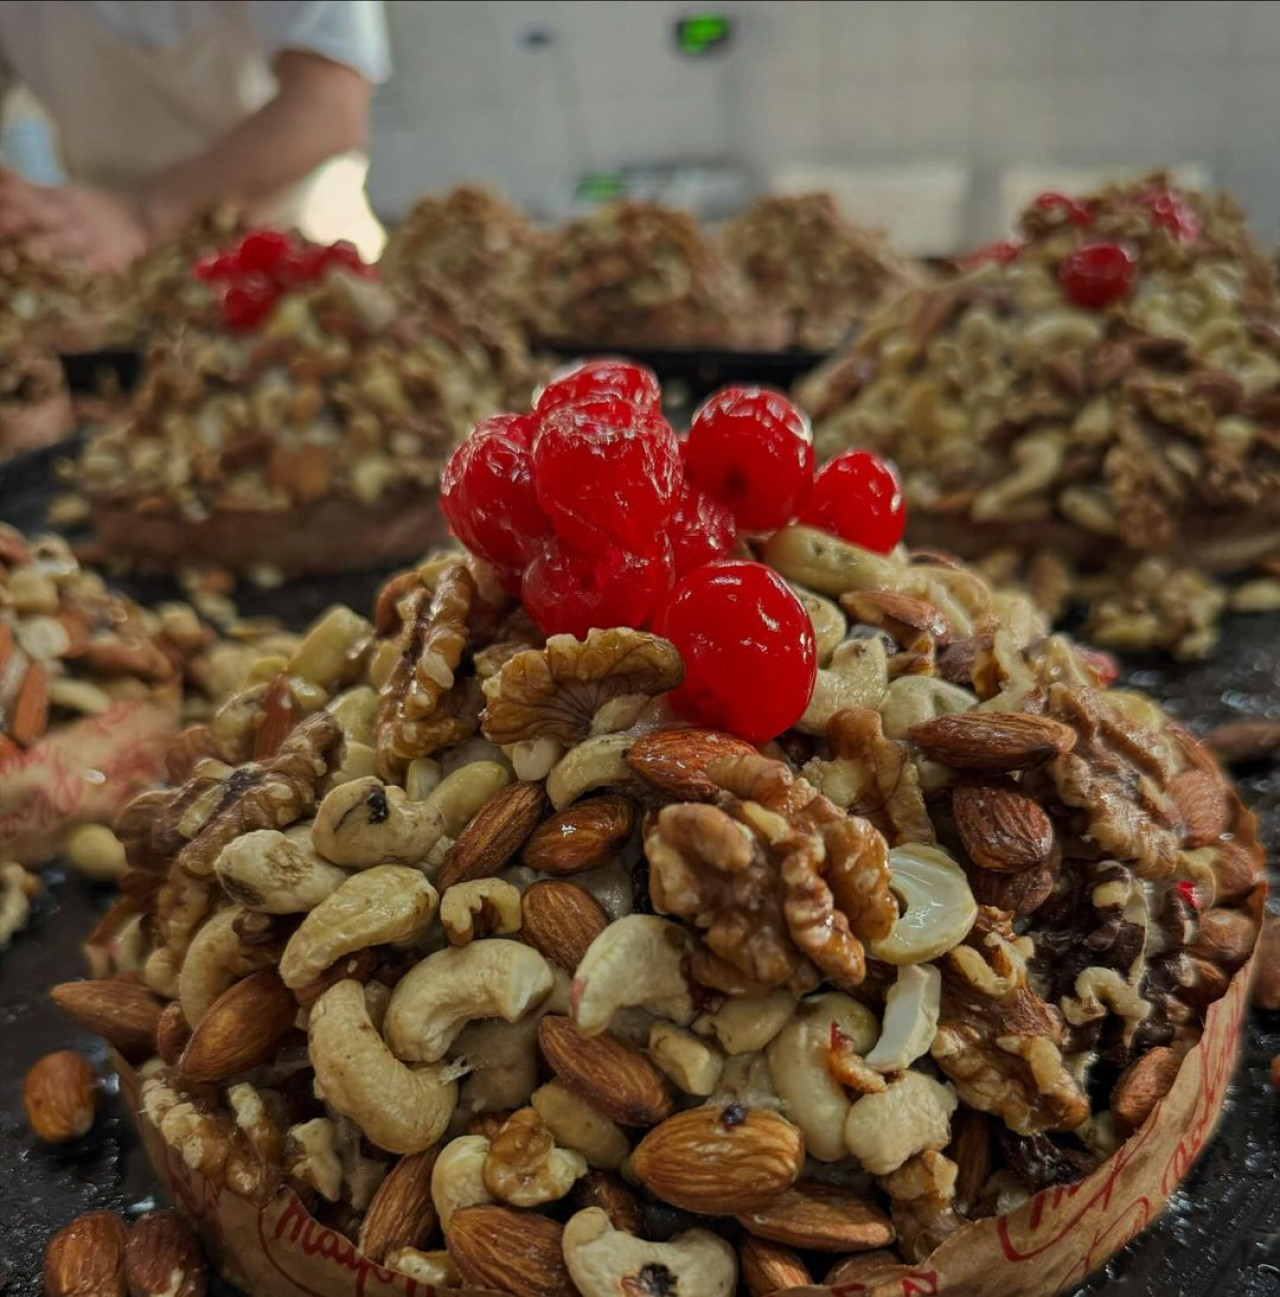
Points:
[701,33]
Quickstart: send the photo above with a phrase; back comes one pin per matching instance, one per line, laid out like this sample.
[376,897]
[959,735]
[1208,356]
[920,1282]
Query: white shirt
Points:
[352,32]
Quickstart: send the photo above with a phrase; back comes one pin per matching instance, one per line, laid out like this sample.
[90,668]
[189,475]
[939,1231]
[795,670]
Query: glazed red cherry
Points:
[751,449]
[571,591]
[261,250]
[1072,209]
[701,530]
[1098,274]
[345,255]
[1003,252]
[302,264]
[857,495]
[607,473]
[750,660]
[487,493]
[596,378]
[1171,213]
[248,301]
[216,269]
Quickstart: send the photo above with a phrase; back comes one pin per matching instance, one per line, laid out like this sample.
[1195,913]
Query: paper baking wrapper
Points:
[1049,1243]
[82,772]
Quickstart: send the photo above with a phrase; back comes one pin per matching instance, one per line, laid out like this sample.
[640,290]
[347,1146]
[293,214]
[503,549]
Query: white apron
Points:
[124,112]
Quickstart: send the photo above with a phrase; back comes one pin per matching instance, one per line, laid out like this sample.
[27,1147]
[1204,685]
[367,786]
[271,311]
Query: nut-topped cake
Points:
[822,270]
[759,901]
[1099,398]
[305,430]
[640,275]
[471,242]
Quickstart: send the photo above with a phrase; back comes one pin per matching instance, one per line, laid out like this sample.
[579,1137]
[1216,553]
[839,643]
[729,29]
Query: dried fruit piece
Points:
[749,653]
[857,496]
[618,1080]
[720,1160]
[701,530]
[752,450]
[60,1095]
[594,379]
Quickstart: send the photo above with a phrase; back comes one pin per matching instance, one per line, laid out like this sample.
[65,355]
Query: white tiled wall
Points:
[990,83]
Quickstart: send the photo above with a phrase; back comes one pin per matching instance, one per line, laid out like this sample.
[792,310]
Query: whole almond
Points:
[600,1189]
[867,1269]
[971,1151]
[769,1267]
[122,1012]
[241,1029]
[899,614]
[516,1252]
[1143,1084]
[172,1033]
[86,1258]
[1242,742]
[1204,802]
[1238,866]
[560,920]
[60,1095]
[820,1218]
[613,1077]
[675,761]
[1001,827]
[1020,893]
[993,741]
[401,1213]
[720,1160]
[163,1258]
[497,832]
[581,836]
[1266,986]
[1225,936]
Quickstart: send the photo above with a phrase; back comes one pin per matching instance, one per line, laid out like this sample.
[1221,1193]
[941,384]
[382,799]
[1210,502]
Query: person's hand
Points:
[96,227]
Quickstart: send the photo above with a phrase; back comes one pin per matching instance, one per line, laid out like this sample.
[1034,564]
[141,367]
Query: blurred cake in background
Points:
[1094,407]
[471,242]
[35,409]
[639,275]
[822,271]
[304,431]
[52,302]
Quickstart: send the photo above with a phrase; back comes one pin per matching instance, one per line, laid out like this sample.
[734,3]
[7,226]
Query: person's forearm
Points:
[312,118]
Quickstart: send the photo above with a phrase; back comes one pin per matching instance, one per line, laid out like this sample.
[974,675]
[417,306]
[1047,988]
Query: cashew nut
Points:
[910,1023]
[826,563]
[829,624]
[457,1179]
[811,1096]
[638,960]
[436,999]
[911,700]
[938,907]
[575,1124]
[364,822]
[434,1270]
[276,873]
[533,758]
[215,959]
[495,904]
[743,1026]
[356,711]
[607,1262]
[857,677]
[691,1063]
[401,1109]
[389,903]
[422,778]
[913,1114]
[593,763]
[333,648]
[459,796]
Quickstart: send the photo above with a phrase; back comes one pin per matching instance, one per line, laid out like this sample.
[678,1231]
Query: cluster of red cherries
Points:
[595,513]
[1097,274]
[252,275]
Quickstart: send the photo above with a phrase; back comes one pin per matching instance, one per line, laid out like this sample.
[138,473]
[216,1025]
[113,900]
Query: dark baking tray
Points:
[1220,1235]
[697,372]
